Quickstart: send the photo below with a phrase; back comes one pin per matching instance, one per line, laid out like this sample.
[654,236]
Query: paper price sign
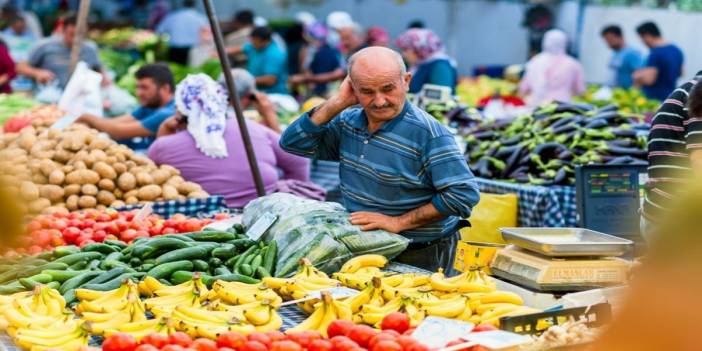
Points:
[436,332]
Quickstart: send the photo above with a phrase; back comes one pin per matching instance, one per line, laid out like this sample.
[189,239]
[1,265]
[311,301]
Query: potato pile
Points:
[76,168]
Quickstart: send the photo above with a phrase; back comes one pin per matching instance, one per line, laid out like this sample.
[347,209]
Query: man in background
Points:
[352,38]
[183,28]
[243,25]
[664,64]
[625,59]
[267,62]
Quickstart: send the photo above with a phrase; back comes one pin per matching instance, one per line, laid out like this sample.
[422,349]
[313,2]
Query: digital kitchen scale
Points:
[561,259]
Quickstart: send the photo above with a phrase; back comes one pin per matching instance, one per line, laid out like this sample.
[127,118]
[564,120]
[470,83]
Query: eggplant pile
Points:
[544,147]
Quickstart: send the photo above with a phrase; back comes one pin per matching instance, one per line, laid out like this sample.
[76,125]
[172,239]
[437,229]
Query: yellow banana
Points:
[141,325]
[518,312]
[258,315]
[448,309]
[466,314]
[342,311]
[100,317]
[27,342]
[371,271]
[501,296]
[275,283]
[311,323]
[438,282]
[499,311]
[393,305]
[393,280]
[357,301]
[372,318]
[484,308]
[328,318]
[359,262]
[114,323]
[274,323]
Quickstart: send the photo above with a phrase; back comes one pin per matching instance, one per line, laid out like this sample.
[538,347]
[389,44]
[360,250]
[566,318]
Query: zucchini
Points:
[188,253]
[216,236]
[166,269]
[99,247]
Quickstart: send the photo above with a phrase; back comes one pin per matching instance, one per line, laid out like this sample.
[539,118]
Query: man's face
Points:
[381,95]
[614,41]
[348,38]
[19,27]
[258,43]
[648,40]
[69,33]
[149,93]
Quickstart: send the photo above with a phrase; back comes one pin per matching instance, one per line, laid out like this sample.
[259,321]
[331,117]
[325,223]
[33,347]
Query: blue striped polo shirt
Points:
[410,161]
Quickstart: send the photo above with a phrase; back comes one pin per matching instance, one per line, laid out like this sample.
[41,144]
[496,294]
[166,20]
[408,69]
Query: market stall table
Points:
[539,206]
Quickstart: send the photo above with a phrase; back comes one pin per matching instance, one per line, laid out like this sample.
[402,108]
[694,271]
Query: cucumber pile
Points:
[173,259]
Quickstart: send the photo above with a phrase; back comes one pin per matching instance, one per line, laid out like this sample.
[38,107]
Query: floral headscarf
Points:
[377,36]
[317,31]
[424,42]
[205,103]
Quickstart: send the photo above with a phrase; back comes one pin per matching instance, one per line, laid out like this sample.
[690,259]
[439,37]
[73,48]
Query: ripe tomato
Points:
[387,345]
[260,337]
[253,346]
[483,327]
[302,338]
[129,235]
[276,336]
[103,217]
[231,339]
[119,342]
[397,321]
[409,331]
[380,337]
[155,230]
[34,249]
[392,332]
[285,345]
[33,226]
[70,234]
[320,345]
[155,339]
[146,347]
[172,347]
[226,349]
[180,338]
[142,233]
[456,342]
[405,341]
[418,347]
[169,231]
[339,327]
[343,343]
[85,242]
[42,237]
[361,334]
[221,216]
[202,344]
[99,236]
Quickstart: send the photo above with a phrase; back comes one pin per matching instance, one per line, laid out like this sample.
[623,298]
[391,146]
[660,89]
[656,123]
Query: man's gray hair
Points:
[243,80]
[398,57]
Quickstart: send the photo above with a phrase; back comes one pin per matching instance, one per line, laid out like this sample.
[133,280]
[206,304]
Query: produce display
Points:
[76,168]
[628,100]
[39,115]
[544,147]
[318,231]
[570,333]
[472,90]
[11,104]
[127,37]
[211,68]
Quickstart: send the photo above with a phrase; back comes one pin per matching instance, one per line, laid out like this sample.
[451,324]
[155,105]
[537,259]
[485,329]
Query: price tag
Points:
[144,212]
[436,332]
[64,121]
[498,339]
[336,293]
[224,224]
[261,226]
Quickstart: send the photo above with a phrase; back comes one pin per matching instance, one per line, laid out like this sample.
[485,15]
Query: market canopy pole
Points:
[81,27]
[234,97]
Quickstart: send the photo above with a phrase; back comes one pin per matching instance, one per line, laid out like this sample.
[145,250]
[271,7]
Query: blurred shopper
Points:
[552,75]
[18,38]
[674,151]
[243,25]
[10,11]
[664,64]
[207,148]
[295,42]
[183,27]
[625,60]
[423,50]
[323,63]
[250,97]
[377,36]
[266,61]
[352,39]
[7,69]
[416,23]
[335,21]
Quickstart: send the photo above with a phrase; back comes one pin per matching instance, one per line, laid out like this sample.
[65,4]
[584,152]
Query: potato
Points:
[119,157]
[80,165]
[100,144]
[170,169]
[175,180]
[89,189]
[47,167]
[105,171]
[131,193]
[126,181]
[82,176]
[149,192]
[160,176]
[38,178]
[54,209]
[101,207]
[118,193]
[67,169]
[130,164]
[62,156]
[144,178]
[56,177]
[72,189]
[198,195]
[106,184]
[132,200]
[38,205]
[86,201]
[72,202]
[117,204]
[181,198]
[52,192]
[27,138]
[98,155]
[105,197]
[29,191]
[186,188]
[119,167]
[111,160]
[169,192]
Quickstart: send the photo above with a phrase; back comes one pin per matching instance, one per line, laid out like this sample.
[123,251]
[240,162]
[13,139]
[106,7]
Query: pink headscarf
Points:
[424,42]
[377,36]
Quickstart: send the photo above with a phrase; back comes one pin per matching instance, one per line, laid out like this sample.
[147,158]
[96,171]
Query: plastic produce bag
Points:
[120,101]
[49,93]
[82,93]
[492,212]
[319,231]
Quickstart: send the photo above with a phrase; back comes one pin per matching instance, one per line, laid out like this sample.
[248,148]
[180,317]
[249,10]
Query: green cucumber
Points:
[216,236]
[9,275]
[222,270]
[179,277]
[61,276]
[11,288]
[230,262]
[157,245]
[78,257]
[256,263]
[224,252]
[109,275]
[242,256]
[66,250]
[188,253]
[30,282]
[238,228]
[165,270]
[116,243]
[149,261]
[180,237]
[48,255]
[241,244]
[26,272]
[261,272]
[110,264]
[146,267]
[114,283]
[77,281]
[53,285]
[270,257]
[214,262]
[200,265]
[134,262]
[236,278]
[99,247]
[245,269]
[117,256]
[95,265]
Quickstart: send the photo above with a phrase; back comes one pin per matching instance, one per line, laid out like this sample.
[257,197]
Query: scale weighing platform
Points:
[561,260]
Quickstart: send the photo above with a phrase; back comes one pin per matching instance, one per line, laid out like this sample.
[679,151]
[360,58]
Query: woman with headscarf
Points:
[377,36]
[429,64]
[321,63]
[207,147]
[552,75]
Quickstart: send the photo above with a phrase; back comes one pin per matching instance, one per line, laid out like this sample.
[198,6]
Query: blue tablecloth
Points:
[539,206]
[191,207]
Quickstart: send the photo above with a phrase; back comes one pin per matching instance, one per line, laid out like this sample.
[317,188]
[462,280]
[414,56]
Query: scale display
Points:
[612,184]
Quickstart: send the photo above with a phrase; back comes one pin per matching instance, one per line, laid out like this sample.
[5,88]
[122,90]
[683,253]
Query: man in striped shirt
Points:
[400,169]
[674,150]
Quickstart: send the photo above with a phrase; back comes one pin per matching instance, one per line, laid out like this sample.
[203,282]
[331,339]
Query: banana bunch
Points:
[141,329]
[474,280]
[409,284]
[306,280]
[370,295]
[67,335]
[236,293]
[40,308]
[166,298]
[355,264]
[200,322]
[490,307]
[107,310]
[358,272]
[373,315]
[326,311]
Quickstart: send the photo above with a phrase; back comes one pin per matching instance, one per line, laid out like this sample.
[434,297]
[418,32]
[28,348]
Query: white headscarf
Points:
[205,103]
[555,42]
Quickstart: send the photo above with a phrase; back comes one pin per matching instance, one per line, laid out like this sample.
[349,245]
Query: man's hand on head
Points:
[373,221]
[345,97]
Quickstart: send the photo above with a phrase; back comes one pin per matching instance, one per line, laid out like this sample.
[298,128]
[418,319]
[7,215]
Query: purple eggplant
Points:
[625,151]
[624,133]
[597,123]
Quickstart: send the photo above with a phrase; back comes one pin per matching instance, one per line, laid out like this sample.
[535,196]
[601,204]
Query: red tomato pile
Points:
[343,336]
[89,226]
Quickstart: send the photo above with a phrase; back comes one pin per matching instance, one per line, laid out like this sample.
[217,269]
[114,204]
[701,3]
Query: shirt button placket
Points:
[363,149]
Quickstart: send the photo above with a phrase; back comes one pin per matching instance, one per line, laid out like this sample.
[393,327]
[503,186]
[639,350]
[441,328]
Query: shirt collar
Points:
[361,121]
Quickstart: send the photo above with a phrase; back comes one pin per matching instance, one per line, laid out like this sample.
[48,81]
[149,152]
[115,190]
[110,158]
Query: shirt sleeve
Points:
[293,167]
[456,190]
[693,127]
[7,63]
[306,139]
[154,152]
[36,56]
[442,74]
[634,60]
[153,122]
[654,60]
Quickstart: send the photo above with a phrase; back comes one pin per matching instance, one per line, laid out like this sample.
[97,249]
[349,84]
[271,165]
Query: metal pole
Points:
[81,27]
[234,97]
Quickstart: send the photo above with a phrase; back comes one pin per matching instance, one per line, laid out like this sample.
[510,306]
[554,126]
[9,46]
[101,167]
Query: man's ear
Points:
[406,80]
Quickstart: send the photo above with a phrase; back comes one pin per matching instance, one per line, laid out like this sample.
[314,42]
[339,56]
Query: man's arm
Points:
[122,129]
[40,75]
[332,76]
[645,76]
[416,218]
[266,109]
[266,81]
